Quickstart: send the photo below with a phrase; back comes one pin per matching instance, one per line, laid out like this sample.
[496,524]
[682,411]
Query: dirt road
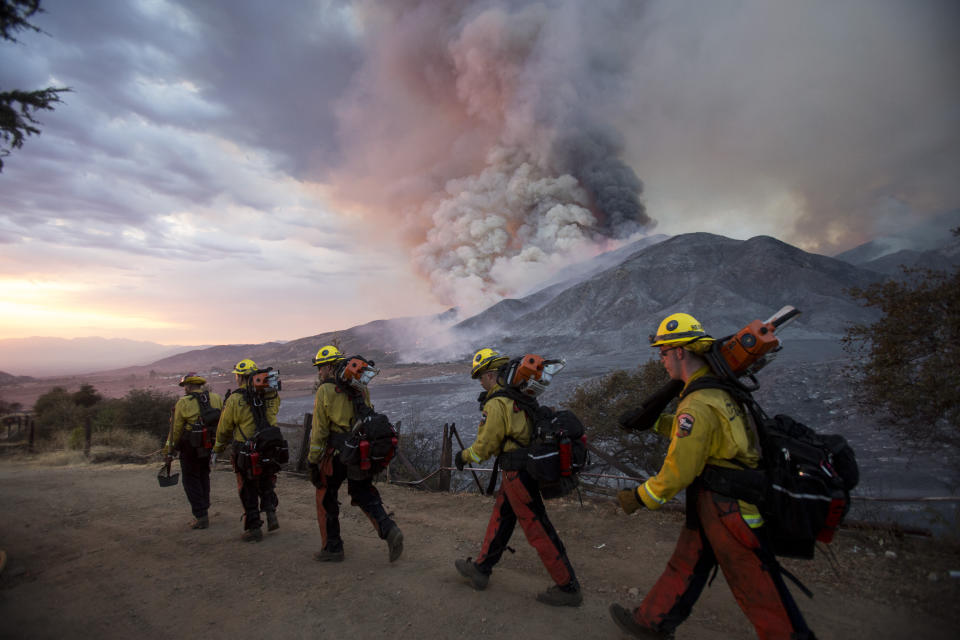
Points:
[101,551]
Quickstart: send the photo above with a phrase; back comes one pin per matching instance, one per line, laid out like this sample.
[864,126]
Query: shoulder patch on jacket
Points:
[684,425]
[483,420]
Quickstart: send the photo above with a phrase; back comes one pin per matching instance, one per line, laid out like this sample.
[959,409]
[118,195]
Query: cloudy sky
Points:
[229,171]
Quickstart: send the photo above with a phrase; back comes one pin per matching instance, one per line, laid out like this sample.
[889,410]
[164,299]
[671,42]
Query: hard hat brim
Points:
[489,365]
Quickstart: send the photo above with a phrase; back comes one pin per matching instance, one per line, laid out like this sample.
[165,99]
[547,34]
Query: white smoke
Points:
[517,176]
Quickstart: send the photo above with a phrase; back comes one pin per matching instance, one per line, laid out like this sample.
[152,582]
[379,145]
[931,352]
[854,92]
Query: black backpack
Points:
[802,487]
[266,450]
[371,444]
[209,415]
[203,433]
[557,452]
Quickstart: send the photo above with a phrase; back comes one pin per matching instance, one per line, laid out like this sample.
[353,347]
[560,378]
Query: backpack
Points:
[209,415]
[266,450]
[802,486]
[203,432]
[371,444]
[557,452]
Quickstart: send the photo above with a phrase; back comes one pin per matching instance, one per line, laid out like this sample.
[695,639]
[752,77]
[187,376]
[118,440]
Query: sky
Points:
[234,171]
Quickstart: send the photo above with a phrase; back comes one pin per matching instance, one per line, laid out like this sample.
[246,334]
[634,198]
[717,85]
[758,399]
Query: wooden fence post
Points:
[305,443]
[30,445]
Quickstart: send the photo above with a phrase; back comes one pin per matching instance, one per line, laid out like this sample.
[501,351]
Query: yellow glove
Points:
[629,501]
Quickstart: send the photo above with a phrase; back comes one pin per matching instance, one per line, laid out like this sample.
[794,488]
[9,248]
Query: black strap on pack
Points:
[258,408]
[527,404]
[203,401]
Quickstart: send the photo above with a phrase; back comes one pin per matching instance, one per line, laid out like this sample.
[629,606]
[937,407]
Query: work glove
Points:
[458,460]
[213,458]
[628,499]
[316,478]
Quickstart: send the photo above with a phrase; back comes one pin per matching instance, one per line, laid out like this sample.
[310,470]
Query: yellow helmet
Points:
[245,367]
[679,329]
[192,378]
[327,355]
[485,360]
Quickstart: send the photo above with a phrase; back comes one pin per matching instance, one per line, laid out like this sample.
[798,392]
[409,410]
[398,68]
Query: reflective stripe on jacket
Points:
[709,427]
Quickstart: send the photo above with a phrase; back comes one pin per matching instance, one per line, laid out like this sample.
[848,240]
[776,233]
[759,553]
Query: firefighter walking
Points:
[709,428]
[333,419]
[505,427]
[194,451]
[238,424]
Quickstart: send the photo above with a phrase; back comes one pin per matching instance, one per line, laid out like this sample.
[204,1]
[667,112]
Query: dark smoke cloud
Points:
[593,158]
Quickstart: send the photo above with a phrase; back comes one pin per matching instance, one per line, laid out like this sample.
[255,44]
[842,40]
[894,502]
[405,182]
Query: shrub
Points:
[77,438]
[146,410]
[107,415]
[901,363]
[600,402]
[55,410]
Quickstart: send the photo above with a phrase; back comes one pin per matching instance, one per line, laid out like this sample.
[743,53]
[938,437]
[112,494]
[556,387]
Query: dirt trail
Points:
[102,551]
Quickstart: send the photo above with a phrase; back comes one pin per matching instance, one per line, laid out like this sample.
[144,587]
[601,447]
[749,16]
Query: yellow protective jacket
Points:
[185,415]
[332,413]
[236,419]
[504,427]
[709,427]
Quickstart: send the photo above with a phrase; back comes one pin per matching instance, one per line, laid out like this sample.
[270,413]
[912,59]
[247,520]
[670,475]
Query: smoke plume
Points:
[478,130]
[504,138]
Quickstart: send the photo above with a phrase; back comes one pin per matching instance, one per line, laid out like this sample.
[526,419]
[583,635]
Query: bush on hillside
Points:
[140,410]
[146,410]
[901,363]
[55,410]
[600,402]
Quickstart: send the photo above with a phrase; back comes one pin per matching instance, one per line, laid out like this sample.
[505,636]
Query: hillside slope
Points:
[723,282]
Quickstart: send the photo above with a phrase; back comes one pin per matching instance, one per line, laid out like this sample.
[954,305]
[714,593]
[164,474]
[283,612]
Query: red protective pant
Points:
[753,575]
[519,499]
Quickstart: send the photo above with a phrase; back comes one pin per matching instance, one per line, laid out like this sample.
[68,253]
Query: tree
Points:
[9,407]
[86,396]
[18,107]
[904,362]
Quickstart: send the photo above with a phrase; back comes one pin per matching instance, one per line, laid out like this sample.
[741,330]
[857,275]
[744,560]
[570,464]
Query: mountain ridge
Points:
[604,305]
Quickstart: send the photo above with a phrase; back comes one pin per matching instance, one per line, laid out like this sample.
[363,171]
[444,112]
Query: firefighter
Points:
[504,427]
[709,427]
[194,460]
[238,423]
[333,418]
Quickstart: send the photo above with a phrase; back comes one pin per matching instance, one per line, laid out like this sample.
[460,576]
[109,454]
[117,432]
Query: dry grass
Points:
[62,448]
[138,442]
